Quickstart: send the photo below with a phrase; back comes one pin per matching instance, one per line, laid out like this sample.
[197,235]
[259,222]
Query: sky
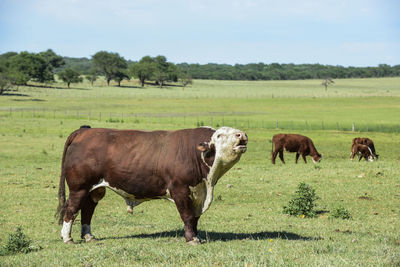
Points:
[332,32]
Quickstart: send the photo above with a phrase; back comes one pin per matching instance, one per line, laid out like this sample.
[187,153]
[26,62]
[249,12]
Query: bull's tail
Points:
[61,189]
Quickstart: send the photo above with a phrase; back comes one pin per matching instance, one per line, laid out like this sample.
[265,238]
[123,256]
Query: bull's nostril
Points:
[238,135]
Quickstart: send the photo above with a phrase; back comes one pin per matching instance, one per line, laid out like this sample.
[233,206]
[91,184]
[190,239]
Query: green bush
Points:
[302,203]
[18,242]
[340,213]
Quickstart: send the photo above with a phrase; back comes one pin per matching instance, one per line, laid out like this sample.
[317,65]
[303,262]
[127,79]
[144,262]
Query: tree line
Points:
[19,68]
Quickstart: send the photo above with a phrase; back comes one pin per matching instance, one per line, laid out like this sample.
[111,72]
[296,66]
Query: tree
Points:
[92,76]
[119,76]
[109,64]
[6,82]
[328,81]
[185,79]
[143,70]
[70,76]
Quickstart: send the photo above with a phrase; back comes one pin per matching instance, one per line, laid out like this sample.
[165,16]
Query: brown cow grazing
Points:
[300,144]
[368,142]
[181,166]
[362,151]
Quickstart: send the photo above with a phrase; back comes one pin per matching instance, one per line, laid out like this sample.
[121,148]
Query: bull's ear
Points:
[203,146]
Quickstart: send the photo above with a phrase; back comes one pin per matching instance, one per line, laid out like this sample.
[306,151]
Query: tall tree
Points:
[109,64]
[143,70]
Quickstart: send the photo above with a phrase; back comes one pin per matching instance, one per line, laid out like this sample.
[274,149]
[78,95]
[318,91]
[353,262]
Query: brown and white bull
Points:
[362,151]
[182,166]
[368,142]
[300,144]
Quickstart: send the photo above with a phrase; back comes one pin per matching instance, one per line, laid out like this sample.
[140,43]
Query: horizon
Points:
[346,33]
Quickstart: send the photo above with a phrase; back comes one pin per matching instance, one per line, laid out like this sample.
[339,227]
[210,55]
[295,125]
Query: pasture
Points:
[245,224]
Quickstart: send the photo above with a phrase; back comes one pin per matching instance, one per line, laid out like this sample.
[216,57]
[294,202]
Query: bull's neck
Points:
[218,169]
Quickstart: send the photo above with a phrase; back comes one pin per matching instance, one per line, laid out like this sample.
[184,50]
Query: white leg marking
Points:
[66,231]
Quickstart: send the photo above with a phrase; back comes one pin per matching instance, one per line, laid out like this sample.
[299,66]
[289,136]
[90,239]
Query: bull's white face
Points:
[229,143]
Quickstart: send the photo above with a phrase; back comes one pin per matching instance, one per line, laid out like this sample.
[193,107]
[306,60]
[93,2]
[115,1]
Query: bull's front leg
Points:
[181,196]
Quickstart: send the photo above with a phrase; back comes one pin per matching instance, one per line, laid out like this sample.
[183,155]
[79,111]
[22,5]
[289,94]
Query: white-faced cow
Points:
[300,144]
[368,142]
[362,151]
[182,166]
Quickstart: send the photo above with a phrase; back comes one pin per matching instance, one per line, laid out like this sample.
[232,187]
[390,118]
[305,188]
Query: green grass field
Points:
[245,224]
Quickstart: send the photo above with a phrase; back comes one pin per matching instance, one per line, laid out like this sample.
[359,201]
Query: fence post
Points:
[352,127]
[337,126]
[367,128]
[276,124]
[322,125]
[306,125]
[248,123]
[100,116]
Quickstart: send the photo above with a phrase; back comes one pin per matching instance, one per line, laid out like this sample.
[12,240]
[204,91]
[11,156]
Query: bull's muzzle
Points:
[241,146]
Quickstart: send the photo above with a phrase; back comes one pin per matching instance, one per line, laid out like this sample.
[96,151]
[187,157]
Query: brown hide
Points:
[368,142]
[301,145]
[144,164]
[362,151]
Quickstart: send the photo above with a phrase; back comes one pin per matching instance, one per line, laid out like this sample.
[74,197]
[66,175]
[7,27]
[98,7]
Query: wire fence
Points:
[200,119]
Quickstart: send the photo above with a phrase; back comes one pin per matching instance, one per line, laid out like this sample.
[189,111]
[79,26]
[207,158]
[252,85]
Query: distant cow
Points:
[362,151]
[300,144]
[181,166]
[368,142]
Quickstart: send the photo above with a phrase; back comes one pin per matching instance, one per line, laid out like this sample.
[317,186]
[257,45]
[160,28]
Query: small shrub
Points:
[340,213]
[44,152]
[302,203]
[18,242]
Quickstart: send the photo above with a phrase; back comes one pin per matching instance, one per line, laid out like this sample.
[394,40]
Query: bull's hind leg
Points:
[281,156]
[88,207]
[297,157]
[73,205]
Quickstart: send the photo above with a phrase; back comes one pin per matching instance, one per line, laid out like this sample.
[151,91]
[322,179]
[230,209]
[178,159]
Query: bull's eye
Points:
[218,136]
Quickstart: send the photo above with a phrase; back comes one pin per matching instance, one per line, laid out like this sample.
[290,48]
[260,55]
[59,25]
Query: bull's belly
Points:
[130,198]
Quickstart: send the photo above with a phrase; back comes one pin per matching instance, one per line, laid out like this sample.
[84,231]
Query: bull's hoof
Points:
[129,209]
[69,242]
[89,238]
[196,241]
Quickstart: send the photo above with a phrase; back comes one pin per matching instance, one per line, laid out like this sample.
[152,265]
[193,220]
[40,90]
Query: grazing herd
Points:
[302,145]
[182,166]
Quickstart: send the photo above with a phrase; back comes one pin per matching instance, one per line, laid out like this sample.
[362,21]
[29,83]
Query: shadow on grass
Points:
[222,236]
[12,94]
[30,99]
